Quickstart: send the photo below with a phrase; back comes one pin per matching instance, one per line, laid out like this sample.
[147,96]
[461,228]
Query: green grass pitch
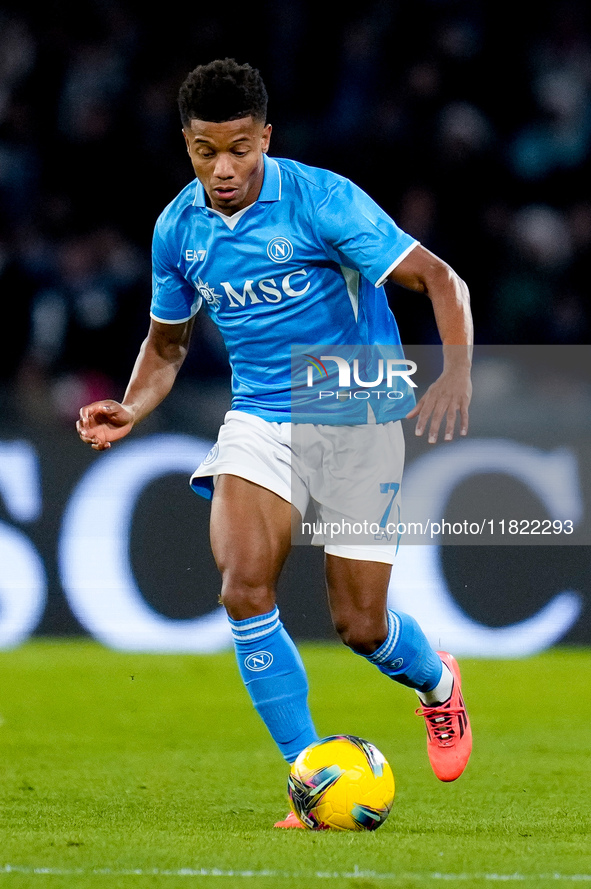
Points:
[124,770]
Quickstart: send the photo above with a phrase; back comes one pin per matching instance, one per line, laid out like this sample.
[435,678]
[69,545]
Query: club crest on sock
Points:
[258,661]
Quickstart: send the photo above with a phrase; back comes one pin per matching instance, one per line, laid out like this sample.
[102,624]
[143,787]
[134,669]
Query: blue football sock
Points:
[406,656]
[274,675]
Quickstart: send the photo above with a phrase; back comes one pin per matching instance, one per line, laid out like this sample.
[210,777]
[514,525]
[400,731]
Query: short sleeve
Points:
[174,299]
[361,234]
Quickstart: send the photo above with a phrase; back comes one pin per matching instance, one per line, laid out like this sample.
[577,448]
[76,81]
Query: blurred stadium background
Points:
[469,123]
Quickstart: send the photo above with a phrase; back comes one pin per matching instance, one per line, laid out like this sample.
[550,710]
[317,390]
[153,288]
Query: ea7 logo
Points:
[195,255]
[258,661]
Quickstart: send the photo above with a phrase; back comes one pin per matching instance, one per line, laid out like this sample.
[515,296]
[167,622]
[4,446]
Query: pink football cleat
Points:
[449,736]
[289,822]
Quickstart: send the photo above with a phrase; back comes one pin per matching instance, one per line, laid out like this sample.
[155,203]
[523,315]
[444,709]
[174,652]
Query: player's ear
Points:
[266,137]
[186,140]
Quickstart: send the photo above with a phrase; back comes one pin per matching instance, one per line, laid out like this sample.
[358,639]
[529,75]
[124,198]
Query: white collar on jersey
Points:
[233,220]
[270,191]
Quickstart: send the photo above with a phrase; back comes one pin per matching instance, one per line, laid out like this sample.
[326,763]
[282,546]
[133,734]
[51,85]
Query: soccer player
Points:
[280,253]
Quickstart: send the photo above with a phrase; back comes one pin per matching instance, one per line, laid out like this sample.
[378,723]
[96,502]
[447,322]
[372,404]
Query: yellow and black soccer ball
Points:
[341,783]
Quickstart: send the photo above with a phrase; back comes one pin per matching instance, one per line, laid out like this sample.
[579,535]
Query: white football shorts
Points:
[343,480]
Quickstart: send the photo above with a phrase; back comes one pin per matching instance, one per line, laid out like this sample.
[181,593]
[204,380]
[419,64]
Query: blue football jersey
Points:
[304,264]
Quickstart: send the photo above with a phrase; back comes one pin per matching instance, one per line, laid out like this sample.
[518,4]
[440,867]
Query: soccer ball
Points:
[341,783]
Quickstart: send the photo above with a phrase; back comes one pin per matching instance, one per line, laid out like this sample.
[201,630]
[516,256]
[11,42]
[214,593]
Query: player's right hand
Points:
[102,422]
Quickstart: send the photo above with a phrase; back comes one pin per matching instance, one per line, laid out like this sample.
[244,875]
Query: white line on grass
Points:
[303,875]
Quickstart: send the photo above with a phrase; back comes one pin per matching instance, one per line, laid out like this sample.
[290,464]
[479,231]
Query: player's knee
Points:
[245,597]
[363,634]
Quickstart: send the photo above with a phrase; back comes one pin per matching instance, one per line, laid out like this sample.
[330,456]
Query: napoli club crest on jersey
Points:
[280,250]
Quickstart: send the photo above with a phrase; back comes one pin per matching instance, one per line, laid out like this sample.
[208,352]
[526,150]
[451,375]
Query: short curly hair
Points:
[222,90]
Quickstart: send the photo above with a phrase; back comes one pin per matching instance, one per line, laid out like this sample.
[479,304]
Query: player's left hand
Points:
[450,393]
